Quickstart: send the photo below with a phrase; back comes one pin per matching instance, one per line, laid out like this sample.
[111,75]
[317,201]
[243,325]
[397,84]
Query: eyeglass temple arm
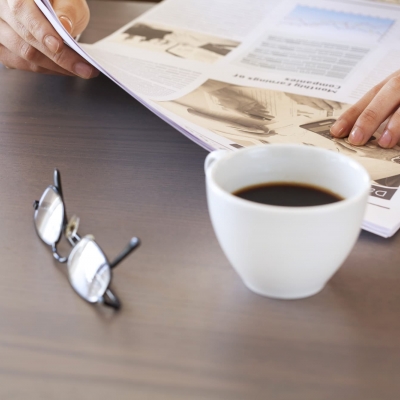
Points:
[57,184]
[132,245]
[57,181]
[111,300]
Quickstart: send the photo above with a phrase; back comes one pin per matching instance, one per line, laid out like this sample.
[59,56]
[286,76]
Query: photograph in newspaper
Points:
[326,42]
[387,1]
[250,115]
[175,41]
[319,42]
[315,21]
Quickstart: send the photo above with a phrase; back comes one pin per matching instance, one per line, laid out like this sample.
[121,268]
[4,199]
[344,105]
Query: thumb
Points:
[73,14]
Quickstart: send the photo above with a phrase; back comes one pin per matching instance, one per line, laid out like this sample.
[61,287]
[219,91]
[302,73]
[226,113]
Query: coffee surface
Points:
[288,195]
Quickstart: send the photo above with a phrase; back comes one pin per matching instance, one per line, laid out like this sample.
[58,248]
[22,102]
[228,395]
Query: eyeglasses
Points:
[89,271]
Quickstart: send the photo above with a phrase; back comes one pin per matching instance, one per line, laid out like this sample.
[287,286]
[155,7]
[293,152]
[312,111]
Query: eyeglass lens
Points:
[49,216]
[89,271]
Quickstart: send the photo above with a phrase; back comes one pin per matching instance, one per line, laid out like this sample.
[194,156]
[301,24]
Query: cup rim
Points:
[285,209]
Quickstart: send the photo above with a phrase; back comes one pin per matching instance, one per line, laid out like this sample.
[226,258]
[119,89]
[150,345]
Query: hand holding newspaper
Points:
[231,74]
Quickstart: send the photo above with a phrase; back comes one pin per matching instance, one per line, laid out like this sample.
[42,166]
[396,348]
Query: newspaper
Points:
[230,74]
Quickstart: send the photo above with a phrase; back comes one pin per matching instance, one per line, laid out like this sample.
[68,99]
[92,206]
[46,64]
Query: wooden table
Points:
[189,329]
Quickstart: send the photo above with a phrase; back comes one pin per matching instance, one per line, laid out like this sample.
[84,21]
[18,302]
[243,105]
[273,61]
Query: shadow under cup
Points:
[285,252]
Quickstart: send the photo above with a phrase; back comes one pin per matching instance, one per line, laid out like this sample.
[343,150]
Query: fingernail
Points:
[386,139]
[83,70]
[339,127]
[67,23]
[52,43]
[356,136]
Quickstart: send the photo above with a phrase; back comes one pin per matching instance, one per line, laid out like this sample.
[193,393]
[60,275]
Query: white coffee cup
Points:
[285,252]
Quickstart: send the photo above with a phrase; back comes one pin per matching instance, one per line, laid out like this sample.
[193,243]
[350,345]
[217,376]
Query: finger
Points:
[24,50]
[391,135]
[382,105]
[12,61]
[28,21]
[73,14]
[343,125]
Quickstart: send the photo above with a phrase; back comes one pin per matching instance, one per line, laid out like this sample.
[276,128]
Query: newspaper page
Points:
[230,74]
[333,49]
[173,48]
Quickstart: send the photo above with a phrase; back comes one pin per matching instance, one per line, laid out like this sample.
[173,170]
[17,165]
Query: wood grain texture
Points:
[188,329]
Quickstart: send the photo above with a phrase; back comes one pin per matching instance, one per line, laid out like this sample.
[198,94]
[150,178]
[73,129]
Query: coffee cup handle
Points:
[212,157]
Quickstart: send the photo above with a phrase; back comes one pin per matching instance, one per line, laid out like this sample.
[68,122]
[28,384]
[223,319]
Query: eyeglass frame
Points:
[108,298]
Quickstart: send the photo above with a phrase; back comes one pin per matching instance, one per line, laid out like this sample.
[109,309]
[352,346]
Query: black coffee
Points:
[288,195]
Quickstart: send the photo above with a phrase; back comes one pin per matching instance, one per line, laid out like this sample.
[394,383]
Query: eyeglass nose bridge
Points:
[71,231]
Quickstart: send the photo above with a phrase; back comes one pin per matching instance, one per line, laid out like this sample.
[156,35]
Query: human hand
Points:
[29,42]
[362,120]
[318,104]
